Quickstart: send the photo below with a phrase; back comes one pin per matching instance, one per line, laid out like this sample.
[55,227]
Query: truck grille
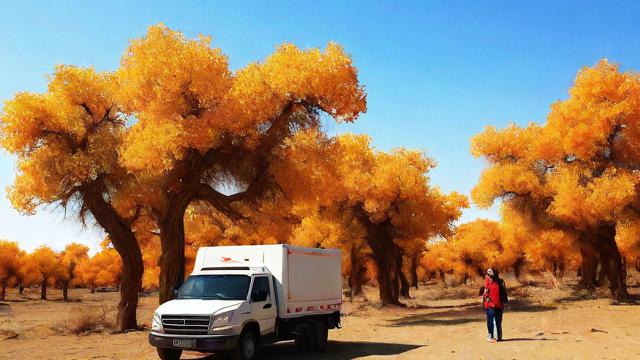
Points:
[186,324]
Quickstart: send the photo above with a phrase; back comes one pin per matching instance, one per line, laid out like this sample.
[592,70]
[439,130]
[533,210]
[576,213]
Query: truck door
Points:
[263,304]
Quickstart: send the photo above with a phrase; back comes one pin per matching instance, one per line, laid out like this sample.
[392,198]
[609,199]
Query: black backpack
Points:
[504,296]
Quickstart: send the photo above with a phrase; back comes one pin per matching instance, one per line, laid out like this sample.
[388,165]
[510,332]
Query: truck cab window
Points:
[215,287]
[260,291]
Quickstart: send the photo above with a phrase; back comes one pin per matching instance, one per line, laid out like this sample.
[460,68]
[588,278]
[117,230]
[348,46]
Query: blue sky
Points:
[436,72]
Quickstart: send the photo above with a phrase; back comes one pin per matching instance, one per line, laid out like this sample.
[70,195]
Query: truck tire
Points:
[247,347]
[169,354]
[321,335]
[305,339]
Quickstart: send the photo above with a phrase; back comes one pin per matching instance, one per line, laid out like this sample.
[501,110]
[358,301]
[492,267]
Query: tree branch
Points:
[218,200]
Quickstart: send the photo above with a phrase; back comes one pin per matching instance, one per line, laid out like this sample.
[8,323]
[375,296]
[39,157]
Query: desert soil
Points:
[539,323]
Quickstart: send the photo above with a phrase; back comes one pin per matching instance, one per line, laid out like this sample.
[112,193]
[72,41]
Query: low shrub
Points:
[86,321]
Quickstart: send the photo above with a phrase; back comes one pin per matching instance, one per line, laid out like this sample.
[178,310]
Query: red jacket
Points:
[491,298]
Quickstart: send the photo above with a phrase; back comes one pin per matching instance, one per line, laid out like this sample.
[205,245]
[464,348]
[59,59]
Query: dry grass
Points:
[86,321]
[460,292]
[520,292]
[6,334]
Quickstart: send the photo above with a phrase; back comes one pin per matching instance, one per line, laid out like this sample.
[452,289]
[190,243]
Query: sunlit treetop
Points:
[70,257]
[438,257]
[63,138]
[476,245]
[11,258]
[580,166]
[43,264]
[387,186]
[102,269]
[185,98]
[628,238]
[506,145]
[601,117]
[552,247]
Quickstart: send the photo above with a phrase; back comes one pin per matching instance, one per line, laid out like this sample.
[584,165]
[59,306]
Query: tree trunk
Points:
[404,284]
[43,289]
[172,261]
[588,264]
[442,278]
[355,275]
[383,252]
[612,261]
[414,271]
[601,280]
[3,293]
[638,264]
[517,267]
[20,289]
[125,243]
[65,291]
[93,289]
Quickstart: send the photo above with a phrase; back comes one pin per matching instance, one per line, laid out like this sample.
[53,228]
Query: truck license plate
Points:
[184,343]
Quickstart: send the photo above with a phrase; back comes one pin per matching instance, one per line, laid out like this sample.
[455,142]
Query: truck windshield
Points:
[215,287]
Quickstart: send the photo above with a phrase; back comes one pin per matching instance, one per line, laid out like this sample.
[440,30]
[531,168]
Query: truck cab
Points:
[233,302]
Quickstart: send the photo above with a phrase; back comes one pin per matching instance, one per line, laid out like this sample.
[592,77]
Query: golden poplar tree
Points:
[200,125]
[577,171]
[387,193]
[45,267]
[65,141]
[72,254]
[11,259]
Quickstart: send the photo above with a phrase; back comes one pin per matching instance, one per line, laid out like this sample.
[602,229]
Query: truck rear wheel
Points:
[321,335]
[305,339]
[247,347]
[169,354]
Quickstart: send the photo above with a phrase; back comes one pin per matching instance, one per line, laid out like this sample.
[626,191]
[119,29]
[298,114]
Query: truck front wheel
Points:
[247,347]
[169,354]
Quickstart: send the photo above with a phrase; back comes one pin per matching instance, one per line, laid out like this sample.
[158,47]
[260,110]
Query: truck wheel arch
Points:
[252,325]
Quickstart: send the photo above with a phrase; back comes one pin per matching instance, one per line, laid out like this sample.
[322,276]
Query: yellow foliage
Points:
[11,259]
[573,173]
[102,269]
[70,257]
[43,265]
[63,138]
[476,246]
[190,100]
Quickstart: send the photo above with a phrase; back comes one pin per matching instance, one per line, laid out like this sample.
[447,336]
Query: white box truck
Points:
[238,297]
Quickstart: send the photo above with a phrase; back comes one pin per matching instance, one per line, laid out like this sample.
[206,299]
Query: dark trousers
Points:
[494,314]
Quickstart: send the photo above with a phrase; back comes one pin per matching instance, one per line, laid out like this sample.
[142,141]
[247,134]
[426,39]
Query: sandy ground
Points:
[539,324]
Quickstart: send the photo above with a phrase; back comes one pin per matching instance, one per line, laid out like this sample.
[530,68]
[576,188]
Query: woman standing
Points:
[493,306]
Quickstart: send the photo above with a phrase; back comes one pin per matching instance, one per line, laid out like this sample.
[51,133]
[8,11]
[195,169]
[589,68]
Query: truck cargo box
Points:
[307,280]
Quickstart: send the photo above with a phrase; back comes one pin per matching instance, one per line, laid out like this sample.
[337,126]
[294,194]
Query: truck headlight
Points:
[156,324]
[221,320]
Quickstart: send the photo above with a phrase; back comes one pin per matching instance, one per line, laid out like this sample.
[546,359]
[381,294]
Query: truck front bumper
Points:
[203,343]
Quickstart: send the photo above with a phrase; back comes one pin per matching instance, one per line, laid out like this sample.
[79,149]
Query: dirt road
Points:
[546,324]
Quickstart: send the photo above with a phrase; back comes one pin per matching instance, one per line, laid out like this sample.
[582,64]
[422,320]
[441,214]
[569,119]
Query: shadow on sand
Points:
[529,339]
[339,350]
[528,306]
[579,293]
[466,305]
[463,314]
